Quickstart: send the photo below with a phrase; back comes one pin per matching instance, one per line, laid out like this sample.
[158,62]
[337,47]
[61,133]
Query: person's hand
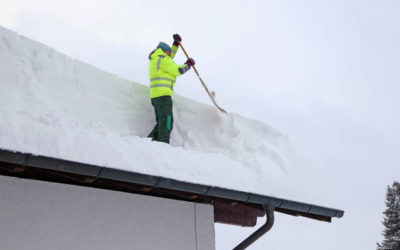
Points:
[190,62]
[177,39]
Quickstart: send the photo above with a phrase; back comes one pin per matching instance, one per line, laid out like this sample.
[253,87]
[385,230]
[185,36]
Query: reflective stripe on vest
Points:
[161,85]
[159,62]
[161,78]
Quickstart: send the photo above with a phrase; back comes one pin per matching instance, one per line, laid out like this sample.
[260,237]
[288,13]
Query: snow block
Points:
[54,106]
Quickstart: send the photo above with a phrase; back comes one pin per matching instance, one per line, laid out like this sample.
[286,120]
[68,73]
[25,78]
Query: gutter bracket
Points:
[269,210]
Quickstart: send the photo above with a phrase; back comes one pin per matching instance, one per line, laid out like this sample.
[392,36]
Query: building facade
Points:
[42,215]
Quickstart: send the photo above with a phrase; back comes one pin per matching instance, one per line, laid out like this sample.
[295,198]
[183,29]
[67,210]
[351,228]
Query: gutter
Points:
[97,172]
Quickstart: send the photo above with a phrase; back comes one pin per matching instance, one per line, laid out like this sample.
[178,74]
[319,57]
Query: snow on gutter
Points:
[97,172]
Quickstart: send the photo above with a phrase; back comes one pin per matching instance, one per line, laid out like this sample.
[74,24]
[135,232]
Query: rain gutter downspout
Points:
[269,210]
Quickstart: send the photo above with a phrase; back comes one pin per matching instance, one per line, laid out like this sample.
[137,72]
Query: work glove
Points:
[190,62]
[177,39]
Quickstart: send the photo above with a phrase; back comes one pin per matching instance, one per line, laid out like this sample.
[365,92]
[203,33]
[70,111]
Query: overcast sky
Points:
[326,73]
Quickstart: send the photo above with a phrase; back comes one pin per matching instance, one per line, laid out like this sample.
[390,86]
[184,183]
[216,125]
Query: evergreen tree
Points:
[391,219]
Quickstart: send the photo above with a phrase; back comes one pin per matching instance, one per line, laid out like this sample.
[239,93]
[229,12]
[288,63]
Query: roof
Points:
[80,114]
[230,206]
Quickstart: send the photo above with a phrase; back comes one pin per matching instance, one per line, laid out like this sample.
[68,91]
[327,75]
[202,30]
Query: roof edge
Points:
[93,171]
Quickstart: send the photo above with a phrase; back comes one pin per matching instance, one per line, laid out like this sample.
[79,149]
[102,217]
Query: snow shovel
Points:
[210,94]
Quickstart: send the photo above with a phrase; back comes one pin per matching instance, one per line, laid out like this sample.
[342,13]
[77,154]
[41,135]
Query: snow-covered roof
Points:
[52,105]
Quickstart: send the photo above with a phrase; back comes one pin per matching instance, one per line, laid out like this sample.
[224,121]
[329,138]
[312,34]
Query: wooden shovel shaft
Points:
[211,95]
[201,80]
[184,51]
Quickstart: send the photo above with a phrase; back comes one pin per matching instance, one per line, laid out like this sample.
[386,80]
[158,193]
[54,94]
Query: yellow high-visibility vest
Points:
[163,72]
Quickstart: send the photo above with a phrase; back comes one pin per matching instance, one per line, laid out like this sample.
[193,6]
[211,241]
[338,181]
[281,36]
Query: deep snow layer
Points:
[53,105]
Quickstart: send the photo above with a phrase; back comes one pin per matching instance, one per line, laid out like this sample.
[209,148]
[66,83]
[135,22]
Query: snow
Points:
[53,105]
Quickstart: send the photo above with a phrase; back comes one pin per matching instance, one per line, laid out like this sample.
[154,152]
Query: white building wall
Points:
[38,215]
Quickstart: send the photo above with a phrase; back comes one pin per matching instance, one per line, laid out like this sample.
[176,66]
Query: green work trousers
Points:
[163,109]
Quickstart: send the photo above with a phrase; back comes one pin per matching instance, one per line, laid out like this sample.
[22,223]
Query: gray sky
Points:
[326,73]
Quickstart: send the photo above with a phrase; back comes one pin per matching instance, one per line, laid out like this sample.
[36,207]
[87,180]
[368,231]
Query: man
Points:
[163,72]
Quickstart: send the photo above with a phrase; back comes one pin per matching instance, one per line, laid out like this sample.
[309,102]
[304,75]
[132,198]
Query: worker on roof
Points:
[163,72]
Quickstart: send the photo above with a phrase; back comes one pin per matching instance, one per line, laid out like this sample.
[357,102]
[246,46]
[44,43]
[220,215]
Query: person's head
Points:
[165,47]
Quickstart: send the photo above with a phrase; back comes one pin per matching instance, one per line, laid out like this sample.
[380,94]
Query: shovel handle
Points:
[210,94]
[184,51]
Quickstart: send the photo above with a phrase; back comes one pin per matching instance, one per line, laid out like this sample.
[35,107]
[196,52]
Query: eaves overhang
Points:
[230,206]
